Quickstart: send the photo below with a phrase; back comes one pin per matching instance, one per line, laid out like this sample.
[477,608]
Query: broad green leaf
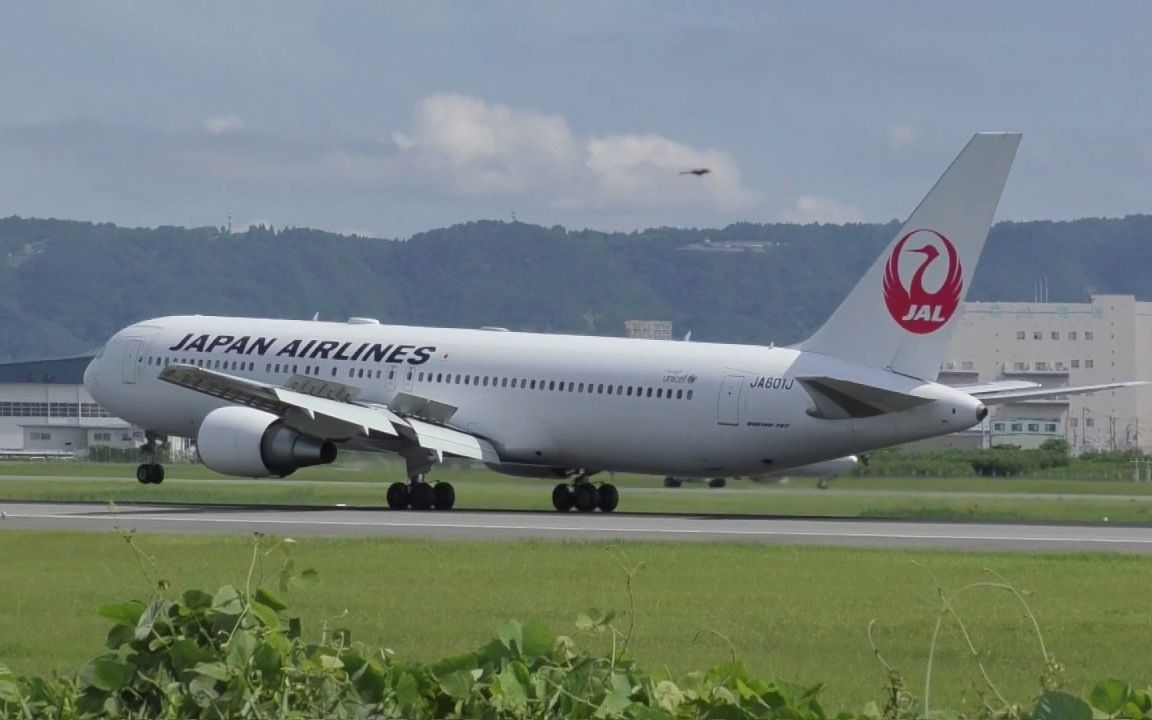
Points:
[214,670]
[618,698]
[241,648]
[227,601]
[197,599]
[407,691]
[1056,705]
[510,691]
[457,685]
[156,610]
[267,660]
[108,673]
[537,640]
[127,613]
[511,635]
[331,662]
[307,577]
[186,654]
[203,690]
[268,617]
[267,598]
[594,619]
[1109,696]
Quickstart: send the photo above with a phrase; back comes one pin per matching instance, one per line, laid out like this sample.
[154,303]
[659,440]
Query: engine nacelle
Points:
[252,443]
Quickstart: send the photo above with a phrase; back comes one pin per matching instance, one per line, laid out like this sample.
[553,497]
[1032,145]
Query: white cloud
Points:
[470,147]
[901,136]
[222,124]
[820,209]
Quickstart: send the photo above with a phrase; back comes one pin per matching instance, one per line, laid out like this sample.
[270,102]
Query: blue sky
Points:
[391,118]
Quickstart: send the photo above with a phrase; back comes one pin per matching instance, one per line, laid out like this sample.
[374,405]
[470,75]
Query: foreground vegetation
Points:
[809,615]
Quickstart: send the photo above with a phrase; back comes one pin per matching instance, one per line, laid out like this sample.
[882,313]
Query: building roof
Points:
[62,371]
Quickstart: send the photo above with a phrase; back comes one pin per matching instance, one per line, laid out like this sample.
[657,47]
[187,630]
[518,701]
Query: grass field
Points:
[796,613]
[364,483]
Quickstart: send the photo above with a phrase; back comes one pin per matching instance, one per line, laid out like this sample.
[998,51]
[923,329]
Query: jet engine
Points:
[252,443]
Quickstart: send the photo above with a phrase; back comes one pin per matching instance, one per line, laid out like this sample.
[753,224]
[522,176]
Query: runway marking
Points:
[603,530]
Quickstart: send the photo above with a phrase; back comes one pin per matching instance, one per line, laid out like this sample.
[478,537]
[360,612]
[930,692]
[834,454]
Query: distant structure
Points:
[1059,344]
[46,412]
[648,329]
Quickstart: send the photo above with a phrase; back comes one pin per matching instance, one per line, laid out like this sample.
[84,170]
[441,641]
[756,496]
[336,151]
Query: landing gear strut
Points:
[586,497]
[151,472]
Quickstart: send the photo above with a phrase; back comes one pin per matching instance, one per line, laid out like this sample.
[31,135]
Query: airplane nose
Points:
[90,374]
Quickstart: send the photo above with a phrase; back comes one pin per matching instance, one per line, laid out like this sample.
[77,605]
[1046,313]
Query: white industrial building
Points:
[45,411]
[1059,344]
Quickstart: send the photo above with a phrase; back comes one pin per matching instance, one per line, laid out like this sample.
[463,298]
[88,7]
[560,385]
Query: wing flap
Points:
[452,442]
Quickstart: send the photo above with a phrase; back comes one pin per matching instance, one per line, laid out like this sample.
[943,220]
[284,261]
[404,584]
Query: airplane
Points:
[265,397]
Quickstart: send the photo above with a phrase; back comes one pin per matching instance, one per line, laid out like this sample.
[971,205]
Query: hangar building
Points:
[45,411]
[1108,339]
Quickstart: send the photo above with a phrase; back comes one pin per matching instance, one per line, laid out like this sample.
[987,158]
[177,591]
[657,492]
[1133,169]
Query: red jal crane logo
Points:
[914,308]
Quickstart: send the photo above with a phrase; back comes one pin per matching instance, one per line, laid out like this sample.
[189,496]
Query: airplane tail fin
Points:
[901,314]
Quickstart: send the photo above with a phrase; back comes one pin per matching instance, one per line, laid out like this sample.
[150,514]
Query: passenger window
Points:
[679,394]
[629,391]
[485,381]
[648,393]
[581,388]
[267,367]
[600,389]
[503,382]
[689,394]
[465,379]
[609,389]
[333,371]
[377,374]
[659,392]
[408,377]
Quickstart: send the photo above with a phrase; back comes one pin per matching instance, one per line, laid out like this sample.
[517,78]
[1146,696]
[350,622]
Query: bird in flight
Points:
[696,171]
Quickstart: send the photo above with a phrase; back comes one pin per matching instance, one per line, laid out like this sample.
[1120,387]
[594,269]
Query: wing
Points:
[330,410]
[1010,396]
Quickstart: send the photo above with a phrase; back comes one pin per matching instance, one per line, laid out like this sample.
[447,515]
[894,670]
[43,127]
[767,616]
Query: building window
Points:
[1041,365]
[1071,334]
[1089,363]
[998,426]
[1019,366]
[1017,427]
[41,435]
[1075,364]
[1074,422]
[967,365]
[1033,427]
[1055,335]
[1049,427]
[1037,335]
[1089,422]
[1020,335]
[1087,334]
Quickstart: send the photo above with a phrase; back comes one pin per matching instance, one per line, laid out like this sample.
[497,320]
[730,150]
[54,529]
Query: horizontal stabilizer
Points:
[982,389]
[841,399]
[1012,396]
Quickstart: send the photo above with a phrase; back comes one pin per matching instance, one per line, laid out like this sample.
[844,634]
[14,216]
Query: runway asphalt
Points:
[481,525]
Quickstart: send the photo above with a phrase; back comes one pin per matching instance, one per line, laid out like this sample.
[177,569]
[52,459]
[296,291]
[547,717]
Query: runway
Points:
[482,525]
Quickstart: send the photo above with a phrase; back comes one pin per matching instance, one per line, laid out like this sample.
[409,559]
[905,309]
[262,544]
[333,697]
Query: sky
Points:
[390,118]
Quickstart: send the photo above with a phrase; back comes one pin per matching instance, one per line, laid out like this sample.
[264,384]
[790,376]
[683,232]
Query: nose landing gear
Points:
[151,472]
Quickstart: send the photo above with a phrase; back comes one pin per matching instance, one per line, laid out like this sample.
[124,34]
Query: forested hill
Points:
[66,286]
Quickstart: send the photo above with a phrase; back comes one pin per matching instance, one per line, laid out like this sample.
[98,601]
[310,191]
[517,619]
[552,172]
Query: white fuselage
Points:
[572,402]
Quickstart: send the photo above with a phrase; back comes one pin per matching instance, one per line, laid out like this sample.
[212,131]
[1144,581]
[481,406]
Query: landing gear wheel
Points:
[422,496]
[671,482]
[398,496]
[822,483]
[717,483]
[585,497]
[443,496]
[150,474]
[562,498]
[609,497]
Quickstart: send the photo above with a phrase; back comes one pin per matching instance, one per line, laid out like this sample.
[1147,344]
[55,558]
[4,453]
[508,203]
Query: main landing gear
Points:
[151,472]
[584,496]
[418,494]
